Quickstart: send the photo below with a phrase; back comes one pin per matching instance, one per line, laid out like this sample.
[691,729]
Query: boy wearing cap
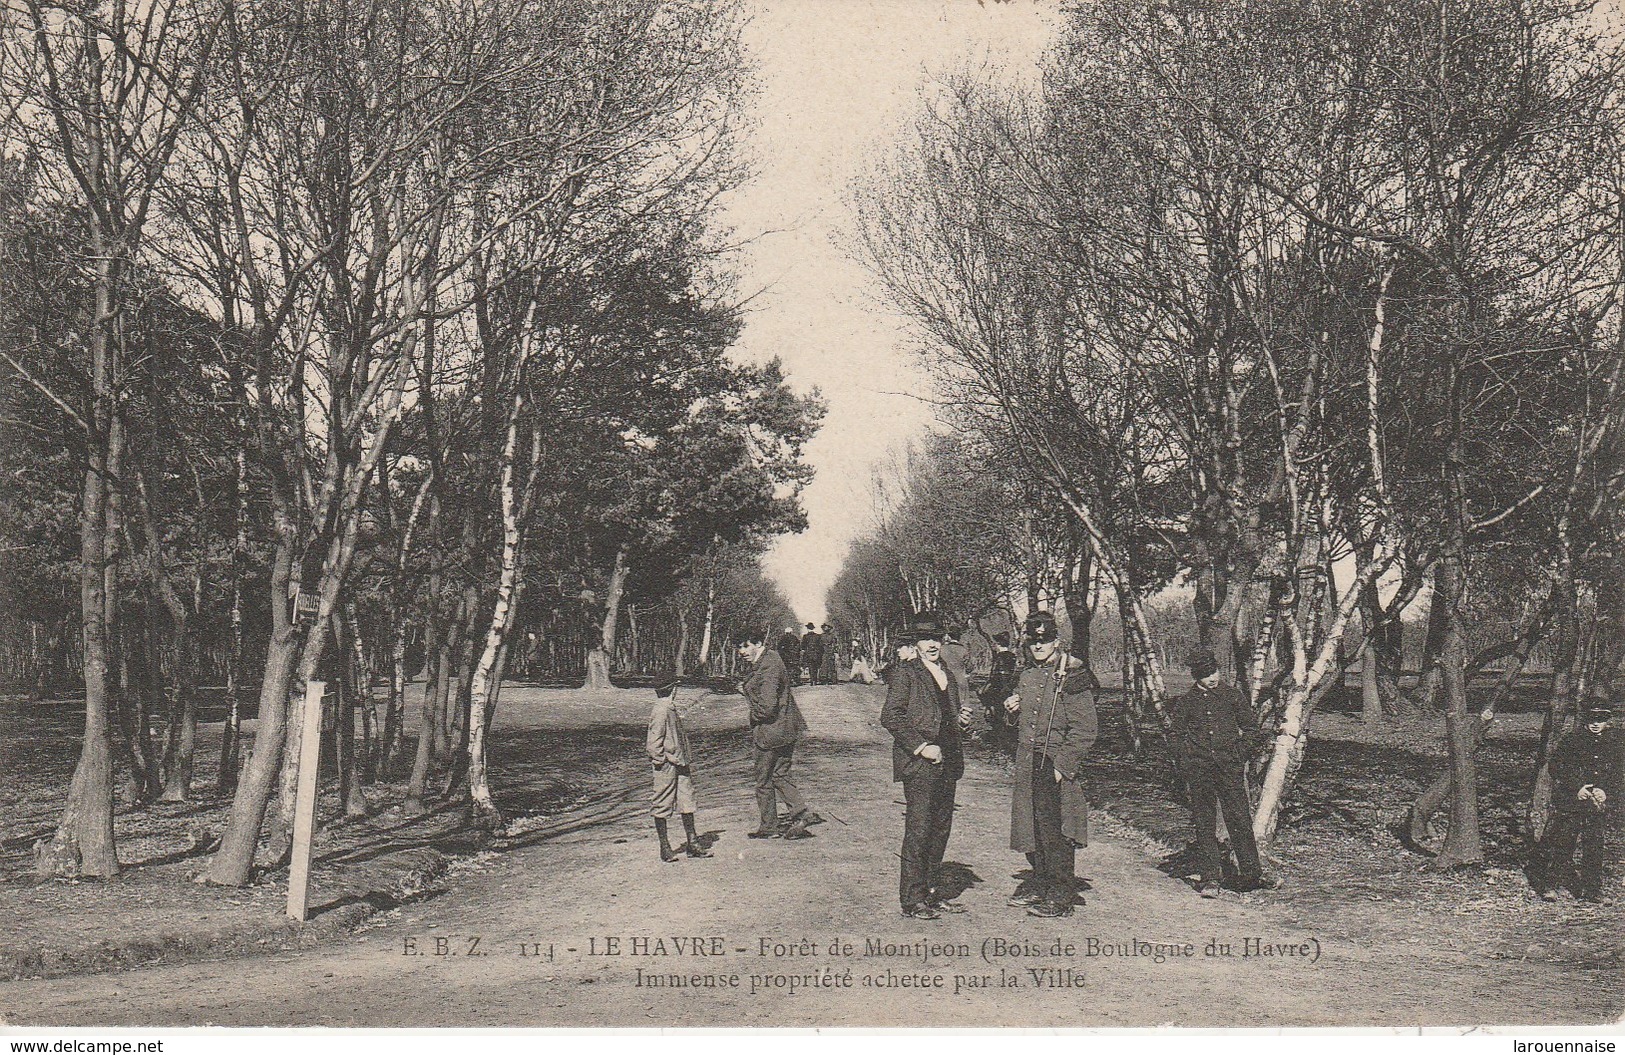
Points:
[671,755]
[1049,812]
[1213,732]
[1584,770]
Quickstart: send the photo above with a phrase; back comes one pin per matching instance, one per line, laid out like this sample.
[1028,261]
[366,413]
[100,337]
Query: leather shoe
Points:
[1546,895]
[921,911]
[947,907]
[1023,898]
[762,834]
[1208,890]
[797,831]
[696,851]
[1259,883]
[811,817]
[1047,909]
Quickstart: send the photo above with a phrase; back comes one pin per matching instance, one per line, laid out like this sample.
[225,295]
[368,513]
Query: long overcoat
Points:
[1058,721]
[775,720]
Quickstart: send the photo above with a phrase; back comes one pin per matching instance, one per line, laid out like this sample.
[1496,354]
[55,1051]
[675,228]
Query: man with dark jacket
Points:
[812,652]
[828,671]
[789,650]
[1001,683]
[1049,811]
[924,714]
[1585,773]
[1214,732]
[775,726]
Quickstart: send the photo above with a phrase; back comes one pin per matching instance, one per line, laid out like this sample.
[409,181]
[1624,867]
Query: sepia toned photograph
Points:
[923,514]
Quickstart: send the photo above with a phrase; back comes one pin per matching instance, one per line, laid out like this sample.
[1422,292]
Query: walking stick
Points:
[1055,702]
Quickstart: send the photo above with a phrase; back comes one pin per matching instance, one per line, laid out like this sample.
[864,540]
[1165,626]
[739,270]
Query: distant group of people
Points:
[816,652]
[1043,707]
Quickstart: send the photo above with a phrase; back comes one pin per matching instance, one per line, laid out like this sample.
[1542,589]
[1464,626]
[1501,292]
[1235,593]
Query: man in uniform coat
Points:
[925,713]
[1585,773]
[812,652]
[671,756]
[1214,732]
[1049,813]
[775,726]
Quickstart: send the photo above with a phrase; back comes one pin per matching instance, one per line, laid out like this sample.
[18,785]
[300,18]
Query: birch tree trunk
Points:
[231,735]
[1292,737]
[710,621]
[482,702]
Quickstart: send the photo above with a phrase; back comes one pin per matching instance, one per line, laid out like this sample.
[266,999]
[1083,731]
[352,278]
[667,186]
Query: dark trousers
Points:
[1555,854]
[1216,786]
[928,818]
[1054,860]
[773,783]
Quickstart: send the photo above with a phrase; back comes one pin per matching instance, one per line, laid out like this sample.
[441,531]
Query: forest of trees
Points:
[1309,310]
[367,341]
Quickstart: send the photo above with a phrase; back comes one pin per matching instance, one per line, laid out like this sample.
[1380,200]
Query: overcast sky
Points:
[837,79]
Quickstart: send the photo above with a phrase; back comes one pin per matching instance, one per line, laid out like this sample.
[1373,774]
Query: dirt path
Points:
[572,893]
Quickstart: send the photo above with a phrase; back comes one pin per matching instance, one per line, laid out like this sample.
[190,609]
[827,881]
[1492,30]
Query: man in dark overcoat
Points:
[1049,813]
[925,714]
[1585,774]
[789,650]
[775,726]
[812,652]
[1001,684]
[829,670]
[1214,733]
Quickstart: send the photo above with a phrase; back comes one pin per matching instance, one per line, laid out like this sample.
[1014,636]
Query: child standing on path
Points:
[671,756]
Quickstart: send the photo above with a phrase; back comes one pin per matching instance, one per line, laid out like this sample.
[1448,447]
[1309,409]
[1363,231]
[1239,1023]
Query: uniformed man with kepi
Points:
[1049,813]
[1585,773]
[1214,732]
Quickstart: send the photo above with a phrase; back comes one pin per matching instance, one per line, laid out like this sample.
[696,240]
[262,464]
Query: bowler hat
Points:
[1203,663]
[665,683]
[1598,708]
[922,626]
[1040,627]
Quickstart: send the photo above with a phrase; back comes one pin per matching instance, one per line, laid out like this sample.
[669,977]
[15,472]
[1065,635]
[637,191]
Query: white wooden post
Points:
[304,802]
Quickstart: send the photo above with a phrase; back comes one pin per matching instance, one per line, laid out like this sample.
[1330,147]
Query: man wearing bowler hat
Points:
[1049,812]
[1585,773]
[925,715]
[1213,732]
